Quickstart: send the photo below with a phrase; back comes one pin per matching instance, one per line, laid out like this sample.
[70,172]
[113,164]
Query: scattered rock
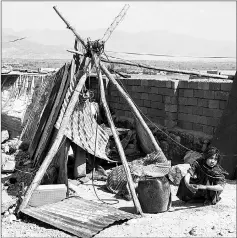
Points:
[193,231]
[8,163]
[174,137]
[7,213]
[7,201]
[6,184]
[11,218]
[178,139]
[11,210]
[5,148]
[8,167]
[220,233]
[14,145]
[6,157]
[5,136]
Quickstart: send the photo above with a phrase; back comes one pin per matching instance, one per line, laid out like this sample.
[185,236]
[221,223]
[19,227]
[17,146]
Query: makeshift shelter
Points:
[70,112]
[67,117]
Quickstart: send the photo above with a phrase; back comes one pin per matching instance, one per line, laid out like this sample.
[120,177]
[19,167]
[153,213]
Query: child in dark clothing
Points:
[205,179]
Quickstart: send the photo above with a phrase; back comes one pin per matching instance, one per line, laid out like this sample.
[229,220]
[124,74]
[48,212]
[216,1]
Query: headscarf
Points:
[216,172]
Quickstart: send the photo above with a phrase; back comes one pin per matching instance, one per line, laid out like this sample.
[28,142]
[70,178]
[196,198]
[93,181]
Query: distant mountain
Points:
[53,43]
[26,49]
[163,42]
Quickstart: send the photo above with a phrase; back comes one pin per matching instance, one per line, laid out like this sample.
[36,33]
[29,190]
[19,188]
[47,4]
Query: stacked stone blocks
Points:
[201,104]
[194,105]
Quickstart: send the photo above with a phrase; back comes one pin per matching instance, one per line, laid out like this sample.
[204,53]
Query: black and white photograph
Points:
[118,119]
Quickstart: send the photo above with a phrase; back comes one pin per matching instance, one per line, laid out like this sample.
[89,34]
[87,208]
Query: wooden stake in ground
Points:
[63,160]
[53,150]
[134,109]
[116,137]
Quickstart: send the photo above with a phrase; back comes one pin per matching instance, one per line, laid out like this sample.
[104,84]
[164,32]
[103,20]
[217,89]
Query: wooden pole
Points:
[62,164]
[75,52]
[70,27]
[160,69]
[53,150]
[134,109]
[116,137]
[170,70]
[67,146]
[141,65]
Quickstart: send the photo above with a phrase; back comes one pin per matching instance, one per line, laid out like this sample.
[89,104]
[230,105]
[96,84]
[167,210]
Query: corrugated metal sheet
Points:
[78,216]
[84,130]
[40,96]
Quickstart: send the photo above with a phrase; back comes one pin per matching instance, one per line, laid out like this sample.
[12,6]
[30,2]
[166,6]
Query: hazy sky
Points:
[209,20]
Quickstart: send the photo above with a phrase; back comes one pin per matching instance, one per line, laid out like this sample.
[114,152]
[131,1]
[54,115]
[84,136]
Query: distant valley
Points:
[52,44]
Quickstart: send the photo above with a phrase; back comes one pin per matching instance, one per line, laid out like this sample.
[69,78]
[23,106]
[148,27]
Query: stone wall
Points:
[195,104]
[201,104]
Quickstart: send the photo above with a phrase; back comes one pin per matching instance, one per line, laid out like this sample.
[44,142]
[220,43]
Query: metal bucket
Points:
[154,195]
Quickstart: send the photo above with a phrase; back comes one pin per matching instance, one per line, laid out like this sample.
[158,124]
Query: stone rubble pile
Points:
[16,175]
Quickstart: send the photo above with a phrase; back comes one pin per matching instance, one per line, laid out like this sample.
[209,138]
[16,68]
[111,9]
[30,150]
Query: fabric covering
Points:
[84,130]
[201,172]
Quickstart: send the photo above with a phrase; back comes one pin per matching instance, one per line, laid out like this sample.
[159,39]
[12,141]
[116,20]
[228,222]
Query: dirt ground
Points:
[184,221]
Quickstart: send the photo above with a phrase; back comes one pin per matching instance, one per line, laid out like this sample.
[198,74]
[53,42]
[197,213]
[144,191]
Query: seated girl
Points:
[205,179]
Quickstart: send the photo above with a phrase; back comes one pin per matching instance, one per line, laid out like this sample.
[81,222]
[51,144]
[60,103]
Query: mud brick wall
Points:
[201,104]
[194,105]
[156,99]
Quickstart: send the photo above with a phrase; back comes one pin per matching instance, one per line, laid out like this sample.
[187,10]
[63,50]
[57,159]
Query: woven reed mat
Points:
[82,130]
[40,98]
